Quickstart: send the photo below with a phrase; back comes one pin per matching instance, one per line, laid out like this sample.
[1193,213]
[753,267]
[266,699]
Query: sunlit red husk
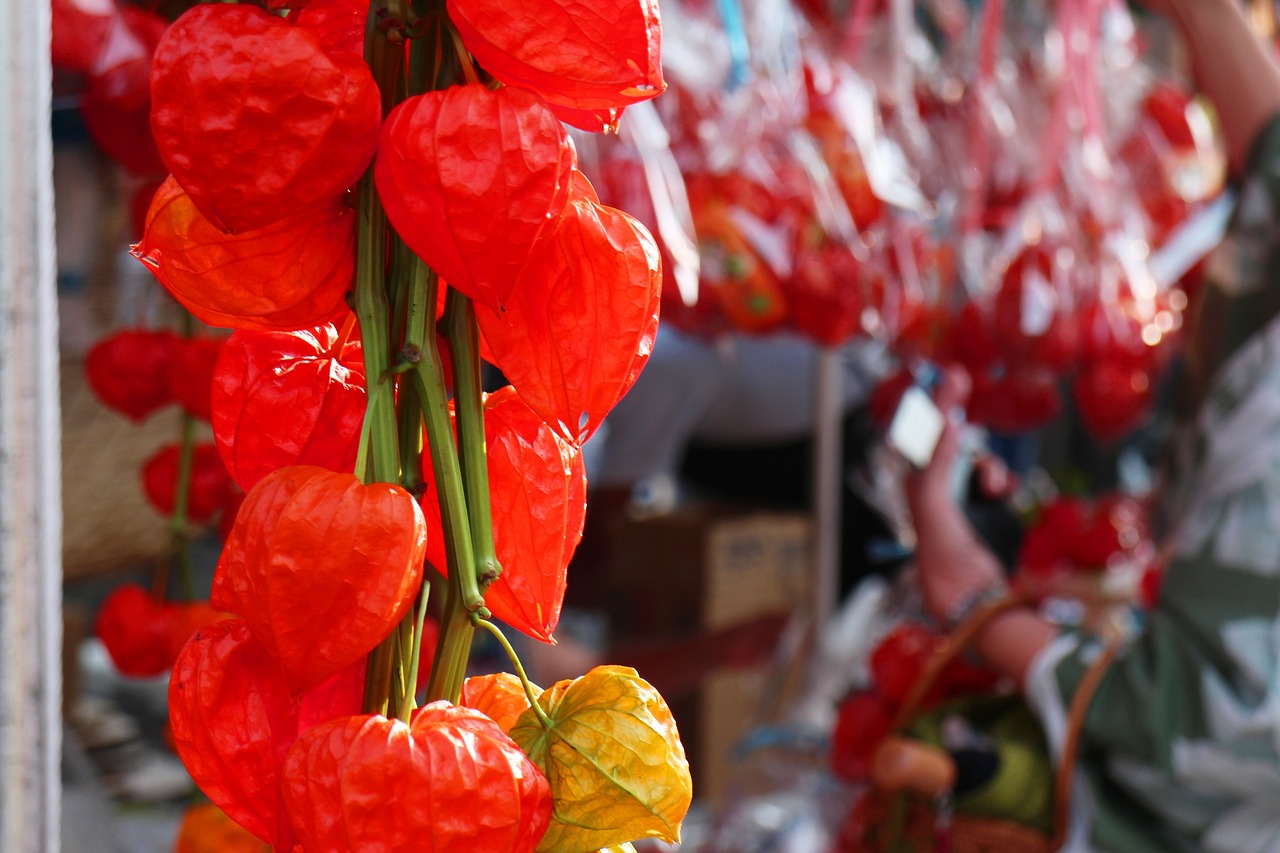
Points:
[383,786]
[292,274]
[471,179]
[255,119]
[338,24]
[321,567]
[288,398]
[585,55]
[580,326]
[233,720]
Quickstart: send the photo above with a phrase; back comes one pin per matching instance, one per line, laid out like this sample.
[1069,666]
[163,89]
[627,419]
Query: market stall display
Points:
[374,209]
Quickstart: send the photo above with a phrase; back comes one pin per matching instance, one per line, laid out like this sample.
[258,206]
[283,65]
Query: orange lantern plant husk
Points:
[448,780]
[291,274]
[207,829]
[499,696]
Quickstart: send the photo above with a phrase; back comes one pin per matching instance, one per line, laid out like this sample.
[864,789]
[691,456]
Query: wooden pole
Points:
[30,506]
[827,479]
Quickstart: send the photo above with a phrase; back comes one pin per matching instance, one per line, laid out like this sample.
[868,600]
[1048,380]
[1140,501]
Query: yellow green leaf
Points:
[612,754]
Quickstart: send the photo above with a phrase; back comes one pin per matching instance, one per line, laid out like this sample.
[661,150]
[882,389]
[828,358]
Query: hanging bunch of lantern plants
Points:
[369,214]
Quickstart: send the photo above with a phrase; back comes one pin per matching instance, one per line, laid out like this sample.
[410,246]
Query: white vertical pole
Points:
[30,506]
[827,476]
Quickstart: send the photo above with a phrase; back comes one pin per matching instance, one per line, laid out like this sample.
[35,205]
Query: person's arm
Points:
[953,565]
[1233,68]
[1236,70]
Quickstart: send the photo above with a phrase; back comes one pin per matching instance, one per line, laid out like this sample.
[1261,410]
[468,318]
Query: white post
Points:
[30,506]
[827,483]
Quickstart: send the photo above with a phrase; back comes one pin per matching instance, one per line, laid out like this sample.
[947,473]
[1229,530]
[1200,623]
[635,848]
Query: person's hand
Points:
[952,563]
[930,487]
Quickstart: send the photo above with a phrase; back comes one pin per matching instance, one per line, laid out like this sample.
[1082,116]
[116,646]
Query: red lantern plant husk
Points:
[191,374]
[117,99]
[288,398]
[584,56]
[290,274]
[287,568]
[471,178]
[255,120]
[234,719]
[421,781]
[299,719]
[210,486]
[129,371]
[580,325]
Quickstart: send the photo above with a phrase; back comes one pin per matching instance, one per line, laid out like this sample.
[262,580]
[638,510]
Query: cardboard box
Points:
[670,582]
[758,564]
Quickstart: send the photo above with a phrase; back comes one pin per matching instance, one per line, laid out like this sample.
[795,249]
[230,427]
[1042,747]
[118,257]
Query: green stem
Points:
[520,673]
[409,702]
[449,667]
[410,439]
[380,445]
[373,316]
[468,399]
[414,307]
[401,693]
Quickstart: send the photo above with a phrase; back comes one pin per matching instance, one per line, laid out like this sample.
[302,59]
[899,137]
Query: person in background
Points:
[1181,744]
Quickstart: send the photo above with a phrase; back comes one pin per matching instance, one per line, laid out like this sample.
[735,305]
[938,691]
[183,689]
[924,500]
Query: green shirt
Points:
[1181,746]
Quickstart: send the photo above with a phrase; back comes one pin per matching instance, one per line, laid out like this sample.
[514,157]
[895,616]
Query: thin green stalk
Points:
[449,667]
[380,448]
[410,439]
[468,398]
[409,702]
[401,691]
[520,673]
